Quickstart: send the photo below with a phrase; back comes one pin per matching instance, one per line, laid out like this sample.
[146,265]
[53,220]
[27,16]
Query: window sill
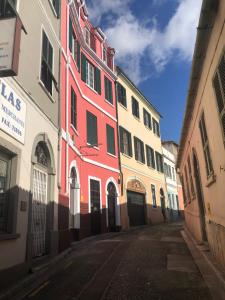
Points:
[210,180]
[126,155]
[138,119]
[9,236]
[149,128]
[151,168]
[74,129]
[113,155]
[124,107]
[94,147]
[140,162]
[109,103]
[93,90]
[46,91]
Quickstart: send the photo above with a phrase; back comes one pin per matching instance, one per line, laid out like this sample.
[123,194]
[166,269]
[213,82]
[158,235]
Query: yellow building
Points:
[142,179]
[201,157]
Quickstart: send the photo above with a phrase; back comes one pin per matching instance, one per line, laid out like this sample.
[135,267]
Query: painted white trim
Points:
[88,99]
[118,220]
[69,141]
[76,211]
[89,192]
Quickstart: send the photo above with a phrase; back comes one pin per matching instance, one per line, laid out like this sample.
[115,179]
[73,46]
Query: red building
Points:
[88,200]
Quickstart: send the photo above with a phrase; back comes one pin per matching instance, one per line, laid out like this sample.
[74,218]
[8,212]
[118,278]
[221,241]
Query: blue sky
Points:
[154,42]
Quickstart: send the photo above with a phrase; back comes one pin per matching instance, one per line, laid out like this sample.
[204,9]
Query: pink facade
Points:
[88,200]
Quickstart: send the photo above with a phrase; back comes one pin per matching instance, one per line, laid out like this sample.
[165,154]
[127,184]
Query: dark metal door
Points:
[136,208]
[95,207]
[111,206]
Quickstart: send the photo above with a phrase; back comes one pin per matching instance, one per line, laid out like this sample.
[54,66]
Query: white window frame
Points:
[89,192]
[90,75]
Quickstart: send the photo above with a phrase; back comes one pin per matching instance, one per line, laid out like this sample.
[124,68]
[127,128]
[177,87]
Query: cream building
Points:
[201,159]
[29,143]
[143,186]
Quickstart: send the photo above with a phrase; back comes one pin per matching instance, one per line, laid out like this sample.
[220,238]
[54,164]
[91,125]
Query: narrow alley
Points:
[144,263]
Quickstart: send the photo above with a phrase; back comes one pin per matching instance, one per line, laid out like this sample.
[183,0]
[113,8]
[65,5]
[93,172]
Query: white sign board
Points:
[12,112]
[7,36]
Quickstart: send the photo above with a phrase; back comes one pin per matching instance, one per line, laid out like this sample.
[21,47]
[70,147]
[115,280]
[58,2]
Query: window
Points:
[47,63]
[173,174]
[155,127]
[73,109]
[139,150]
[184,193]
[219,88]
[95,196]
[90,74]
[110,139]
[74,46]
[205,145]
[108,90]
[92,130]
[125,142]
[166,169]
[4,193]
[8,8]
[159,162]
[135,107]
[187,184]
[147,119]
[153,195]
[150,157]
[104,54]
[191,179]
[87,36]
[56,5]
[121,94]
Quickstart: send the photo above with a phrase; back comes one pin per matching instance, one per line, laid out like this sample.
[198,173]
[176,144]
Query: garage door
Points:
[136,208]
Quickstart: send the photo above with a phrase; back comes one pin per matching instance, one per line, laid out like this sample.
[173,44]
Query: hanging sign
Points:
[10,34]
[12,112]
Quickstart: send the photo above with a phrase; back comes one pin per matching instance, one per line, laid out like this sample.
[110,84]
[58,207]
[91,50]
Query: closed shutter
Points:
[83,67]
[92,137]
[110,92]
[98,81]
[142,152]
[78,56]
[57,7]
[121,139]
[110,139]
[130,145]
[70,35]
[135,148]
[148,155]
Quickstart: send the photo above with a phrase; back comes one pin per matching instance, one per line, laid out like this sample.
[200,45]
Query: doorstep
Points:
[211,272]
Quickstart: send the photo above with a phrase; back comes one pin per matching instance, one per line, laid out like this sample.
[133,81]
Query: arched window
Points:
[42,154]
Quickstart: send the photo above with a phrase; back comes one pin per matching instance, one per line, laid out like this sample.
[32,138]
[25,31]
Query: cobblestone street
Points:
[146,263]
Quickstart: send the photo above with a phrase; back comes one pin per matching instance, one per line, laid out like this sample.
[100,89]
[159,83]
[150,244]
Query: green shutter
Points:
[57,7]
[78,57]
[130,145]
[148,155]
[106,88]
[98,81]
[70,35]
[83,67]
[92,135]
[135,148]
[110,92]
[142,152]
[121,139]
[110,139]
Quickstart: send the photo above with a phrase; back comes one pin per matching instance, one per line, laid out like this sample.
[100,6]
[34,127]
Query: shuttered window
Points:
[219,88]
[187,184]
[110,139]
[147,118]
[183,189]
[156,129]
[90,74]
[153,195]
[108,90]
[159,162]
[92,130]
[135,108]
[47,63]
[74,45]
[150,157]
[205,145]
[56,5]
[73,109]
[191,177]
[139,150]
[121,94]
[166,169]
[125,142]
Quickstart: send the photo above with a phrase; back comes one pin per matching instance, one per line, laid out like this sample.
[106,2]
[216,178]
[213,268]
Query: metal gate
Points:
[39,209]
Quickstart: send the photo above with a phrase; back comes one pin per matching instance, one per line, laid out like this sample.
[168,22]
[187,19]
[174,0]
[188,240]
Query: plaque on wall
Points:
[136,186]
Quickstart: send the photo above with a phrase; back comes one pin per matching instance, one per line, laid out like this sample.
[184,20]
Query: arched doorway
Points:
[111,201]
[136,203]
[163,205]
[40,213]
[198,184]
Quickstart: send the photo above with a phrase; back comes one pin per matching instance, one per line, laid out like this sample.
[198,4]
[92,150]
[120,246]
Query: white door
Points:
[39,209]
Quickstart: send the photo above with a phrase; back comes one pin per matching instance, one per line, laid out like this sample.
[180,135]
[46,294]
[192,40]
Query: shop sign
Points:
[10,34]
[12,112]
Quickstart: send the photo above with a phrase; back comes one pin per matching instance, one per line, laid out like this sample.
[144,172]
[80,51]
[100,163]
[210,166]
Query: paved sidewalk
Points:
[152,262]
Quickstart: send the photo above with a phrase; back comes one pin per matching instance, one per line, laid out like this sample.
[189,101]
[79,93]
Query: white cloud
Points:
[135,40]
